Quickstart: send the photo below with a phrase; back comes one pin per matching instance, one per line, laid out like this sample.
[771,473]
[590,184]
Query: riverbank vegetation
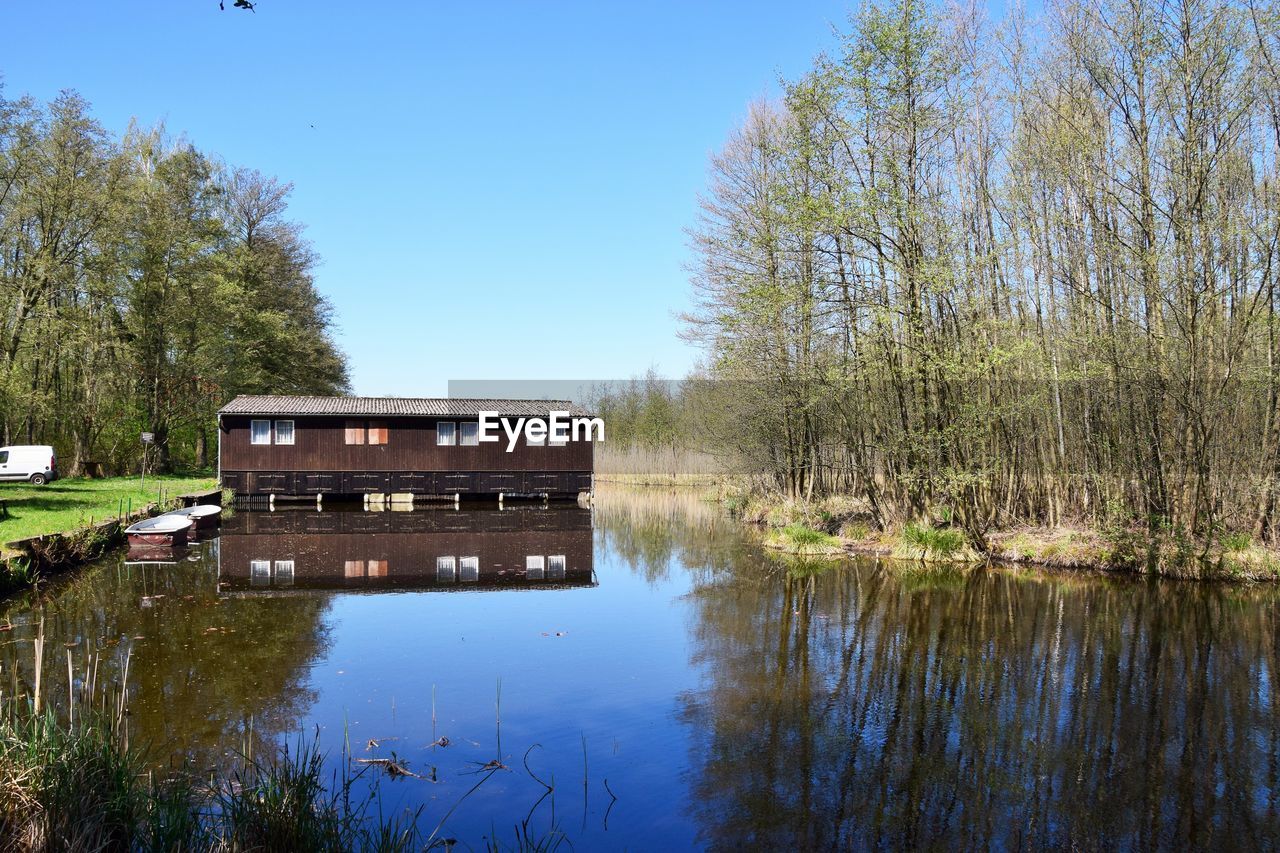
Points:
[67,505]
[79,786]
[142,284]
[837,524]
[1008,275]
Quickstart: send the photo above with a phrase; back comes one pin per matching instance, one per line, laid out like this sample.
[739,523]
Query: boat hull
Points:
[175,539]
[153,554]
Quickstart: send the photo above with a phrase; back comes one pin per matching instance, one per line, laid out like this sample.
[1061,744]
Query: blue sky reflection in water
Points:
[727,697]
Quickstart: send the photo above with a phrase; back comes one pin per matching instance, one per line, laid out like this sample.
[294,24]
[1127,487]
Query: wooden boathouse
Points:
[356,446]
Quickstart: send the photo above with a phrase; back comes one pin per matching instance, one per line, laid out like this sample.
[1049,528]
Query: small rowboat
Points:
[204,515]
[162,530]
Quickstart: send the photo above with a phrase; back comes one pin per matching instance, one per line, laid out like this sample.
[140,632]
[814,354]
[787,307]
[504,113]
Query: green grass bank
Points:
[47,529]
[65,506]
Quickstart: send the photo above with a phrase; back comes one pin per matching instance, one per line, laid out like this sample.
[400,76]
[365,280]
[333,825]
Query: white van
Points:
[33,462]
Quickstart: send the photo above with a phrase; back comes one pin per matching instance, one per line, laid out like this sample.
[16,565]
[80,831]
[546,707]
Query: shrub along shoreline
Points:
[840,525]
[77,784]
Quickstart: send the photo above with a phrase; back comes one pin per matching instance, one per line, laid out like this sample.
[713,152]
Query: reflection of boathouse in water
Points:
[443,549]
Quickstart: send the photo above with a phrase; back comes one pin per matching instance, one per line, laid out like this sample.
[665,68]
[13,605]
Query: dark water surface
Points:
[725,698]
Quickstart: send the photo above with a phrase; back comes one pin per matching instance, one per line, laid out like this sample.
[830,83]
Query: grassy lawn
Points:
[65,505]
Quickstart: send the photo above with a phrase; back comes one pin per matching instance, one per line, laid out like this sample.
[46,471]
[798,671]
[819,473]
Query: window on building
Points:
[377,432]
[355,432]
[558,442]
[284,572]
[284,432]
[446,568]
[533,441]
[377,568]
[445,432]
[353,568]
[260,432]
[259,572]
[469,433]
[534,568]
[555,567]
[469,569]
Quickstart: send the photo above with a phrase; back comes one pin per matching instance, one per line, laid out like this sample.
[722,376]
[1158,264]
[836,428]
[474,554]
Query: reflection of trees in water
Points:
[206,672]
[652,529]
[853,709]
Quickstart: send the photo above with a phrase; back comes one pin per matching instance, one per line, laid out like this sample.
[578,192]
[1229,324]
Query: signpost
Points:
[148,438]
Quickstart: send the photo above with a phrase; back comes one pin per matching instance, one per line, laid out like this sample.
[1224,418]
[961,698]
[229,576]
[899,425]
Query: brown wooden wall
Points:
[321,462]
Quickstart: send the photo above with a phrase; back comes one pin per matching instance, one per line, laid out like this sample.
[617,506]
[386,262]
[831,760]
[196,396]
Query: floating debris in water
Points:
[392,765]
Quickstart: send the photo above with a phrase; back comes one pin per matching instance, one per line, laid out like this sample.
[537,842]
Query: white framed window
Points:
[468,433]
[284,432]
[446,432]
[284,572]
[530,441]
[446,569]
[259,432]
[534,567]
[469,569]
[259,572]
[555,567]
[558,442]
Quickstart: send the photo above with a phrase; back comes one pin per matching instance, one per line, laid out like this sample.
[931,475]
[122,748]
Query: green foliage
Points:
[284,805]
[855,530]
[937,542]
[904,277]
[1238,541]
[799,534]
[1124,542]
[79,787]
[141,286]
[61,782]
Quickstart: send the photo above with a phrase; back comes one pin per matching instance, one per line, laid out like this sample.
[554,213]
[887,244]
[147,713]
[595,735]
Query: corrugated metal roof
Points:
[391,406]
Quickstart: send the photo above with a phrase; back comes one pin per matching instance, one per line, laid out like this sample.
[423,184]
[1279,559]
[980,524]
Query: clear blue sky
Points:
[496,190]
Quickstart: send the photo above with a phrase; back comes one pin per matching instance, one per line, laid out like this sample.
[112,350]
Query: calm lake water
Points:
[680,688]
